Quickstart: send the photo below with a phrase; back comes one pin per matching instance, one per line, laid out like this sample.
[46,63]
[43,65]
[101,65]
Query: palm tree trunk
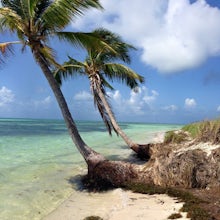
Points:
[143,151]
[128,141]
[90,156]
[100,171]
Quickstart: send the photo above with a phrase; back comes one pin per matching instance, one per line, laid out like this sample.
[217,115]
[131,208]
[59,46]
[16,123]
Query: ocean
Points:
[40,166]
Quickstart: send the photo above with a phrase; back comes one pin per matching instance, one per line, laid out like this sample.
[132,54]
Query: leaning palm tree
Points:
[100,66]
[35,22]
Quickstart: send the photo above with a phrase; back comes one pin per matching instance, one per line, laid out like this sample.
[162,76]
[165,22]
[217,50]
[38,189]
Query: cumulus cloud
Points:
[83,96]
[149,98]
[6,96]
[190,103]
[171,108]
[172,35]
[47,100]
[139,100]
[116,96]
[43,103]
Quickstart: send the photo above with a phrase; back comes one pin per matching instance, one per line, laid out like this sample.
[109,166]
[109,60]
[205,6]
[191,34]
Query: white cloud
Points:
[47,100]
[218,109]
[6,96]
[116,96]
[190,103]
[83,96]
[149,98]
[43,103]
[137,103]
[173,35]
[171,108]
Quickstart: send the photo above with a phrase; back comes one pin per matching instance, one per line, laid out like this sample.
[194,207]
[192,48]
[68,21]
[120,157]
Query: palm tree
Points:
[35,22]
[99,66]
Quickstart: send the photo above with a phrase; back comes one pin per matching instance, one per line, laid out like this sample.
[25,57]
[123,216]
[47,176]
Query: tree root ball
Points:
[109,174]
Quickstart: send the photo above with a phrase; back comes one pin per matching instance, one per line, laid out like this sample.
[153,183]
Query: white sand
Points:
[117,205]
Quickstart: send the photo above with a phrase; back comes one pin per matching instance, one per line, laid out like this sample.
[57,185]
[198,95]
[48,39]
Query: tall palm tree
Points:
[99,66]
[35,22]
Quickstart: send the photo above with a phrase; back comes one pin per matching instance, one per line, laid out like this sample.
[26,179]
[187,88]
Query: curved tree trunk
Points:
[91,157]
[141,150]
[100,170]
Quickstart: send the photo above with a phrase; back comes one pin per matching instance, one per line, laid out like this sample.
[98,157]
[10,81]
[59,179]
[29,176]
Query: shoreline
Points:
[120,204]
[47,160]
[117,204]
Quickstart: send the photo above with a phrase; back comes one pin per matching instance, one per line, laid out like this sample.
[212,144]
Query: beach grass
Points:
[174,137]
[205,131]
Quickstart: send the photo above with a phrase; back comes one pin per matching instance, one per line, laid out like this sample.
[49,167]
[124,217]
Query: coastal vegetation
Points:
[175,137]
[205,131]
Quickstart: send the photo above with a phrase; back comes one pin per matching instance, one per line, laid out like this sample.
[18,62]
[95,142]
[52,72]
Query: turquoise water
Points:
[37,159]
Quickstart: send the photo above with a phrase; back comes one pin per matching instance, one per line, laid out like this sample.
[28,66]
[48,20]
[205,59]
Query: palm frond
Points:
[32,7]
[23,8]
[7,47]
[89,41]
[10,20]
[105,83]
[14,5]
[4,52]
[49,56]
[70,68]
[123,74]
[4,47]
[121,49]
[60,12]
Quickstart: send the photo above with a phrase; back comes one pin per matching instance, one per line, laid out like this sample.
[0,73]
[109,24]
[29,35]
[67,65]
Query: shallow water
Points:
[37,160]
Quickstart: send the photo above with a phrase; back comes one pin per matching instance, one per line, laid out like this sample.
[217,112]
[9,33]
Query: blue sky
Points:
[178,53]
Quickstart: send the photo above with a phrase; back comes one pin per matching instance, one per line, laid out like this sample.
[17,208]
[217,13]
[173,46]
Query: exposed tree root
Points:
[109,174]
[168,166]
[143,151]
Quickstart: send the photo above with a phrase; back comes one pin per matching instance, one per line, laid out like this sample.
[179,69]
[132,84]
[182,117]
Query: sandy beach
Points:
[117,205]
